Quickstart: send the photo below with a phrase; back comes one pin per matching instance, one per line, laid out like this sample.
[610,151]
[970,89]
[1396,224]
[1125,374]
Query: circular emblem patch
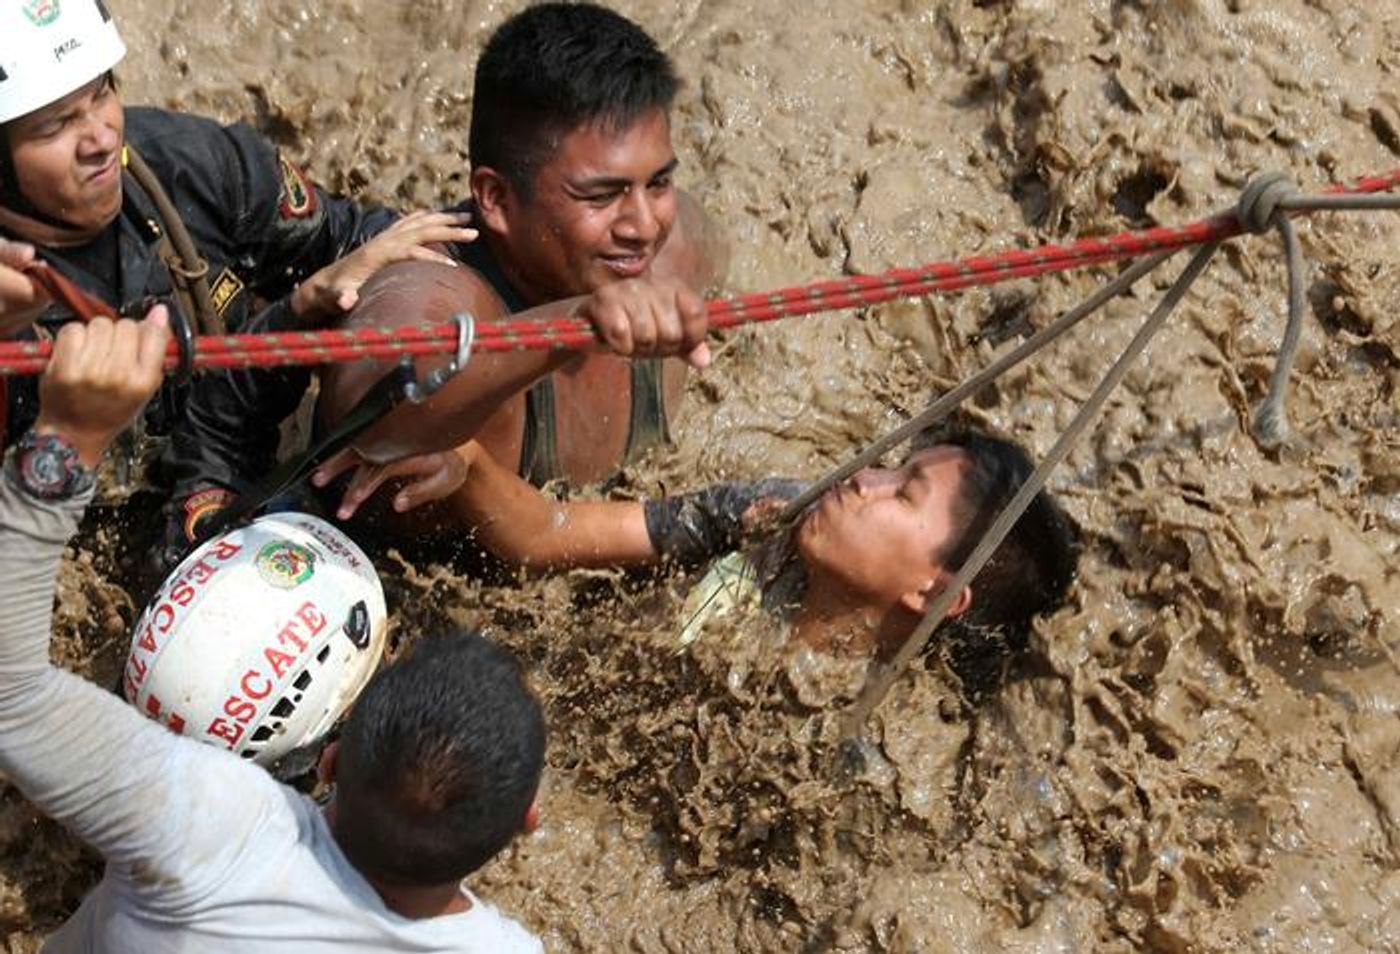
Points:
[41,12]
[284,564]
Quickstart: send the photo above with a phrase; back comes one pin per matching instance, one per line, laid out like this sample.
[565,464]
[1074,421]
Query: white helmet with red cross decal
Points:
[261,639]
[49,48]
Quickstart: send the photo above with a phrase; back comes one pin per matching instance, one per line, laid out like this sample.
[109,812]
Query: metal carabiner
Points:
[419,391]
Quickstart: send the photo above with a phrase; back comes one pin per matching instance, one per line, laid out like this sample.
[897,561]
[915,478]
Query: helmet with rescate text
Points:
[260,639]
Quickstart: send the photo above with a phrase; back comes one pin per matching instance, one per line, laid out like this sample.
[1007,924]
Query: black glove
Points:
[691,528]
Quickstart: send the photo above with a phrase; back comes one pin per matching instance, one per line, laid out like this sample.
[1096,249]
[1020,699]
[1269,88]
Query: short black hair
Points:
[439,762]
[554,68]
[1029,573]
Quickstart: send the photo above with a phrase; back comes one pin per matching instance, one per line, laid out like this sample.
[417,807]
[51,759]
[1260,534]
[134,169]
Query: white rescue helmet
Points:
[49,48]
[261,638]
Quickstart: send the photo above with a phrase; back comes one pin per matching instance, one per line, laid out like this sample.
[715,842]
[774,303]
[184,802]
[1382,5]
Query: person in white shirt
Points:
[436,770]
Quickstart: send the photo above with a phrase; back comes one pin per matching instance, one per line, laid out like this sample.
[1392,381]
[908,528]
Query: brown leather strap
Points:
[189,272]
[48,234]
[50,281]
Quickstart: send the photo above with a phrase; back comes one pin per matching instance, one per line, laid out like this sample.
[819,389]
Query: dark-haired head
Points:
[889,540]
[1028,574]
[1031,570]
[557,67]
[439,763]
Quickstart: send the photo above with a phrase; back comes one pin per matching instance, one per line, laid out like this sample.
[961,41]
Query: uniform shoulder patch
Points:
[224,290]
[298,195]
[201,504]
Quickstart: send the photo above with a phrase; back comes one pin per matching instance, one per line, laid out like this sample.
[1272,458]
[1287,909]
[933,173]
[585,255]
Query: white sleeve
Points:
[174,815]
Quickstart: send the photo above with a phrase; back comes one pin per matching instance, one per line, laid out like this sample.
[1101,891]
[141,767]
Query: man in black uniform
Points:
[139,203]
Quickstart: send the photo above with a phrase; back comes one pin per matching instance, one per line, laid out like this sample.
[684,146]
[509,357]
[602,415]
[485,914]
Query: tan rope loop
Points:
[1261,205]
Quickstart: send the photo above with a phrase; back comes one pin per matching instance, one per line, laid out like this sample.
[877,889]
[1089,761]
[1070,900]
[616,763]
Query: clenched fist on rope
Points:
[101,376]
[649,317]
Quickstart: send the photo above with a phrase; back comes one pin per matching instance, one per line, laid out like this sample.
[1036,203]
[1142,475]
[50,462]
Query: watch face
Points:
[44,468]
[48,467]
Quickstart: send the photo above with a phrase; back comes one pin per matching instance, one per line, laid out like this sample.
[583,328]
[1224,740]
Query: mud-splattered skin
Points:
[1200,752]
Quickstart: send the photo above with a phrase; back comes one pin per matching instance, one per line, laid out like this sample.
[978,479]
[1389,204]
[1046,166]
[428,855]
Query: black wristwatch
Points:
[46,467]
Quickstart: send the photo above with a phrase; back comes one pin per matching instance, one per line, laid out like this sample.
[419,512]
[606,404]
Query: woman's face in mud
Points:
[881,533]
[67,156]
[600,211]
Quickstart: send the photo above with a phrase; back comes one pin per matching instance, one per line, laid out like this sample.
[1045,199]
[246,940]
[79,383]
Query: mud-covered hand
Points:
[763,515]
[20,301]
[691,528]
[423,478]
[101,375]
[645,317]
[335,289]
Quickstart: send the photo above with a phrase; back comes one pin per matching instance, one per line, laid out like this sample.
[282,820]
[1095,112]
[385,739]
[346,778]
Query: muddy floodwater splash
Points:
[1200,753]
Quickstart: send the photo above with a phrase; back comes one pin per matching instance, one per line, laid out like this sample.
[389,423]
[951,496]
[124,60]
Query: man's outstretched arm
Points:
[513,520]
[467,489]
[141,796]
[641,317]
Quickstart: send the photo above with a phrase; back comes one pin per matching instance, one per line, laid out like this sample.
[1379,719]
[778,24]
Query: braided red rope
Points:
[328,346]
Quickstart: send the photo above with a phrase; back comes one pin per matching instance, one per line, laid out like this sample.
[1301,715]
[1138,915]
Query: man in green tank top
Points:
[572,188]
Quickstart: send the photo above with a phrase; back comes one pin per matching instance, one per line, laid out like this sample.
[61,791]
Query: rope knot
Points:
[1259,206]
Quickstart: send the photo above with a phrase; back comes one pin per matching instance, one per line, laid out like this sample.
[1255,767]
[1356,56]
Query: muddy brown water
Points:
[1201,752]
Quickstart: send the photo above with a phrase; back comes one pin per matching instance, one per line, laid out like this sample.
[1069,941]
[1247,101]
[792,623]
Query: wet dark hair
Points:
[554,68]
[1029,573]
[439,762]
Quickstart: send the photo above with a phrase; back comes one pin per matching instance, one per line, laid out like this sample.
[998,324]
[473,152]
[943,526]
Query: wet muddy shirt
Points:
[205,852]
[739,615]
[772,579]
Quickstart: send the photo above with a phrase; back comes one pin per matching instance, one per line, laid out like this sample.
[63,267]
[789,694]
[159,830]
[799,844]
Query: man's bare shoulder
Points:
[405,293]
[423,293]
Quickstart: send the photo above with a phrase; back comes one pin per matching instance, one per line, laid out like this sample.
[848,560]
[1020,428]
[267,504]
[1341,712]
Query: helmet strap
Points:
[10,196]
